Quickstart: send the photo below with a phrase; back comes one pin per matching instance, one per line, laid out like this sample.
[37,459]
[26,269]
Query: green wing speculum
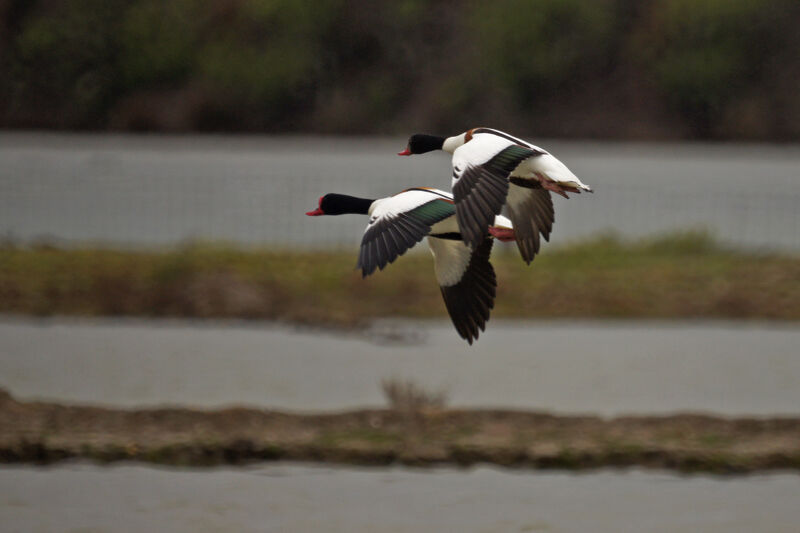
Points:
[391,237]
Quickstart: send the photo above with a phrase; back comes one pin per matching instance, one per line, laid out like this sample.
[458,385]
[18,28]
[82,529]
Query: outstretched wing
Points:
[530,209]
[397,224]
[480,184]
[467,281]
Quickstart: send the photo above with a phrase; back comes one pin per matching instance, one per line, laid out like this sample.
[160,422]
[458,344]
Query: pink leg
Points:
[502,234]
[557,188]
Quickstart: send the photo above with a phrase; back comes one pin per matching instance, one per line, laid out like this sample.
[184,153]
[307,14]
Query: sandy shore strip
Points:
[39,433]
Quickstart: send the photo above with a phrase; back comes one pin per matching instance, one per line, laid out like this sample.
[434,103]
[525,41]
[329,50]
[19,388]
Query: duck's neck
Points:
[451,143]
[343,204]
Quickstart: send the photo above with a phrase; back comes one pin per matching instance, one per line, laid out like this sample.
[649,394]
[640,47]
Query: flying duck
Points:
[492,170]
[396,223]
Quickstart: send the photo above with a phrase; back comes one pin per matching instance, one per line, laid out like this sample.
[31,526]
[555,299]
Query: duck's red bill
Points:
[318,211]
[407,151]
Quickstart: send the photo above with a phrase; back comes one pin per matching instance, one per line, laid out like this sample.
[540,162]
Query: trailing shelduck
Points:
[492,169]
[396,223]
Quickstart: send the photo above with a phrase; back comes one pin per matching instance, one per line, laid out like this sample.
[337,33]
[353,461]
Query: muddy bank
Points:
[36,432]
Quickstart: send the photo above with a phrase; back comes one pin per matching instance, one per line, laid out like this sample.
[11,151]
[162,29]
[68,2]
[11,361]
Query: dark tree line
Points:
[600,68]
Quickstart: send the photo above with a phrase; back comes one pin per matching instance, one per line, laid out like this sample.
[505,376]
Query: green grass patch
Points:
[677,276]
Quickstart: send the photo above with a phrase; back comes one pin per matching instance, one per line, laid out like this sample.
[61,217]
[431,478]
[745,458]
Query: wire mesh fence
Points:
[129,191]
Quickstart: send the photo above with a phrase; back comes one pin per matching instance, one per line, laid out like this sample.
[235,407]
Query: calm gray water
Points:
[145,190]
[596,367]
[82,498]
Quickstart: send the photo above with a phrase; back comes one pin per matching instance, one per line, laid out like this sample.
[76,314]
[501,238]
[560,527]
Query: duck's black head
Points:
[420,143]
[341,204]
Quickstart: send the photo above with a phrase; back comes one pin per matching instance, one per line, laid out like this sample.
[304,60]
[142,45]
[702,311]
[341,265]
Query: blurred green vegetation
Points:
[605,68]
[535,48]
[675,276]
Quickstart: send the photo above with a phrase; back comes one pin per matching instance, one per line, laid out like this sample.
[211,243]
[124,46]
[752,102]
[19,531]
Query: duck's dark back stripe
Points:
[507,137]
[431,191]
[449,236]
[526,184]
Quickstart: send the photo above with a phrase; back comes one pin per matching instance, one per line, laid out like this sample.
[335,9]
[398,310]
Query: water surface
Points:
[146,190]
[285,497]
[609,368]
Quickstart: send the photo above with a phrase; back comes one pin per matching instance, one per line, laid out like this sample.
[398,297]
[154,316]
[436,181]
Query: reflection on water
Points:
[281,497]
[598,367]
[254,190]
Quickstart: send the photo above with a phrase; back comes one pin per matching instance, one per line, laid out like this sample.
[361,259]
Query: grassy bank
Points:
[678,276]
[33,432]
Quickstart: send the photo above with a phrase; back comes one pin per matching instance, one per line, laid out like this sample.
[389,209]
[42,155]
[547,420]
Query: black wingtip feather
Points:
[470,301]
[532,217]
[481,191]
[392,235]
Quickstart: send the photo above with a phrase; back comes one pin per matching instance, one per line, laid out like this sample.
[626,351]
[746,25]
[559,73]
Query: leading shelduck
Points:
[492,170]
[396,223]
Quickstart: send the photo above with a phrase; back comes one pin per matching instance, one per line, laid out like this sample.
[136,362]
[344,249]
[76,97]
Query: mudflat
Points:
[37,432]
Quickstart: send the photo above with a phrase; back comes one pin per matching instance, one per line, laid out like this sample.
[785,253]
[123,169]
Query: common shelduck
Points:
[396,223]
[492,169]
